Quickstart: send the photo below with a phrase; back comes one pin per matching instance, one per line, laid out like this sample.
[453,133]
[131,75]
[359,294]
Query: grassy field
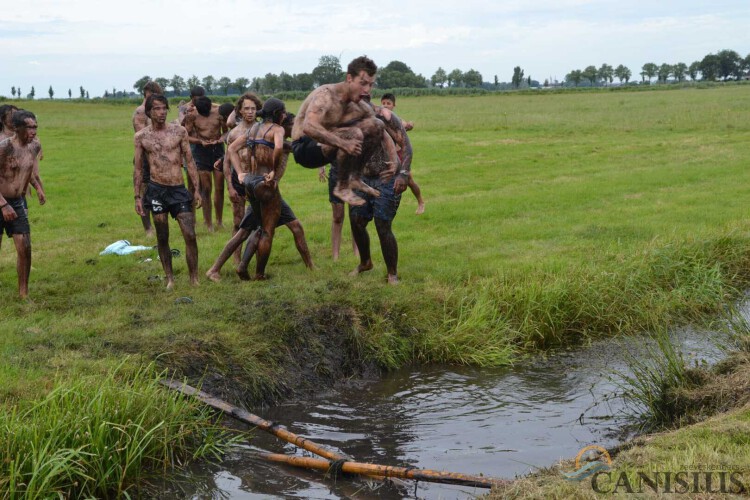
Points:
[551,219]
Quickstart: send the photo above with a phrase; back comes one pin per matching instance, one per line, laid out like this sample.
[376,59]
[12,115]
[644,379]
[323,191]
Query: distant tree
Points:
[622,73]
[208,83]
[271,83]
[13,91]
[223,84]
[19,92]
[663,72]
[679,71]
[256,84]
[193,81]
[496,81]
[32,93]
[649,70]
[328,70]
[398,74]
[455,78]
[746,63]
[473,78]
[303,81]
[439,78]
[517,76]
[730,64]
[693,70]
[574,77]
[106,94]
[83,93]
[177,83]
[70,94]
[51,92]
[163,82]
[591,74]
[87,94]
[286,81]
[606,73]
[710,67]
[140,83]
[241,84]
[114,92]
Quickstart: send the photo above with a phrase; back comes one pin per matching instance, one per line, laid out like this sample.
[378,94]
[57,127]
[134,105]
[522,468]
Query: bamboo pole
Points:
[386,471]
[315,463]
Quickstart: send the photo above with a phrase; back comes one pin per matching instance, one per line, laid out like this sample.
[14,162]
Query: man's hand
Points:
[197,199]
[322,174]
[400,184]
[8,213]
[41,197]
[139,207]
[233,194]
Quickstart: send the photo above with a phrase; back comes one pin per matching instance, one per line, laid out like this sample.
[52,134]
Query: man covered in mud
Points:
[268,154]
[205,127]
[165,145]
[378,174]
[331,126]
[18,162]
[141,121]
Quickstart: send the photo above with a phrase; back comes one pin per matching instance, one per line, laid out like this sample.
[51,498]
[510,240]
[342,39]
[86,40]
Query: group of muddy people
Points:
[246,145]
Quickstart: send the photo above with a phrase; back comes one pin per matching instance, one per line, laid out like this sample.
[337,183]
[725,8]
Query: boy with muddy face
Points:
[165,145]
[18,162]
[332,126]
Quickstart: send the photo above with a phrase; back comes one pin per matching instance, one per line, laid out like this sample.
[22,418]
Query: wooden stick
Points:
[386,471]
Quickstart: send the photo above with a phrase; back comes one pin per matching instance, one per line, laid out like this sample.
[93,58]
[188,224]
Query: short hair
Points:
[362,63]
[20,116]
[203,105]
[153,98]
[4,110]
[226,109]
[197,91]
[152,87]
[389,96]
[288,120]
[245,96]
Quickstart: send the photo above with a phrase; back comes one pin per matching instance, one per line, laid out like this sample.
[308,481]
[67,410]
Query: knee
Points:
[338,217]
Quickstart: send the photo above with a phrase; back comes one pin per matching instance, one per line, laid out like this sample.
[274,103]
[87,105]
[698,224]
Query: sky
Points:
[104,45]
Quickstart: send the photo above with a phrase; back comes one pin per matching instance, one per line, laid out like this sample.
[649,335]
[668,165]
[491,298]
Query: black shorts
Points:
[173,199]
[308,153]
[206,156]
[252,219]
[19,225]
[236,184]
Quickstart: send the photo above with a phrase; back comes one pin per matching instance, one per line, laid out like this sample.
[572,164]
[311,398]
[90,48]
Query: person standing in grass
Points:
[338,210]
[141,121]
[18,163]
[165,145]
[205,127]
[388,101]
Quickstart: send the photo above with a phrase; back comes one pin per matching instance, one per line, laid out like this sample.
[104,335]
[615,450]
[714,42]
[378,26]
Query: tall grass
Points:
[97,438]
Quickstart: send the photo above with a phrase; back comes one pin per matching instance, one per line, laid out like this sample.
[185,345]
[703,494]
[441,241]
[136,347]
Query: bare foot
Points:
[361,268]
[358,184]
[150,233]
[213,275]
[243,274]
[347,196]
[210,228]
[420,208]
[170,285]
[194,281]
[392,279]
[219,226]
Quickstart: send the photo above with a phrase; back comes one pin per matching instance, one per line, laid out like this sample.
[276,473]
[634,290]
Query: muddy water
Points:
[500,423]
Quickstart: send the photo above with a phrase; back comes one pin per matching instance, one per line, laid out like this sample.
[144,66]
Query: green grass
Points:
[552,218]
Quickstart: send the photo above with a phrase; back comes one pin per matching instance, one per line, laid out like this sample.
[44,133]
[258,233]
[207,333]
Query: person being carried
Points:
[205,127]
[388,101]
[165,145]
[329,128]
[18,162]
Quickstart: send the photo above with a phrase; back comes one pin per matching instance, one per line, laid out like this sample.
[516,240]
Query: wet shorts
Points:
[308,153]
[251,220]
[19,225]
[173,199]
[384,207]
[206,156]
[333,178]
[236,184]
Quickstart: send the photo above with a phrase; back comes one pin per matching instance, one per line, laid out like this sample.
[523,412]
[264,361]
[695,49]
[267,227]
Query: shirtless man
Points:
[379,175]
[205,127]
[268,157]
[328,128]
[6,120]
[18,162]
[141,121]
[165,145]
[388,101]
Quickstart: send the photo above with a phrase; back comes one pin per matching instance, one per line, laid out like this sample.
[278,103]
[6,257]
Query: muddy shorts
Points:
[19,225]
[252,218]
[308,153]
[173,199]
[383,207]
[236,184]
[206,156]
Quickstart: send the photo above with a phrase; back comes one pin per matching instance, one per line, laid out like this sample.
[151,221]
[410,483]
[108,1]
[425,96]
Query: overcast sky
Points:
[101,45]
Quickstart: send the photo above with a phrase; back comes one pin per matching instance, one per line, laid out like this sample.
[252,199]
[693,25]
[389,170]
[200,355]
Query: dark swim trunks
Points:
[236,184]
[383,207]
[308,153]
[333,178]
[172,199]
[19,225]
[206,156]
[252,220]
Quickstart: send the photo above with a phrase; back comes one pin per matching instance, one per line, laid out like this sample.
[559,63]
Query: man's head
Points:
[196,92]
[360,77]
[157,107]
[6,116]
[203,105]
[25,124]
[247,106]
[152,88]
[388,101]
[226,109]
[273,110]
